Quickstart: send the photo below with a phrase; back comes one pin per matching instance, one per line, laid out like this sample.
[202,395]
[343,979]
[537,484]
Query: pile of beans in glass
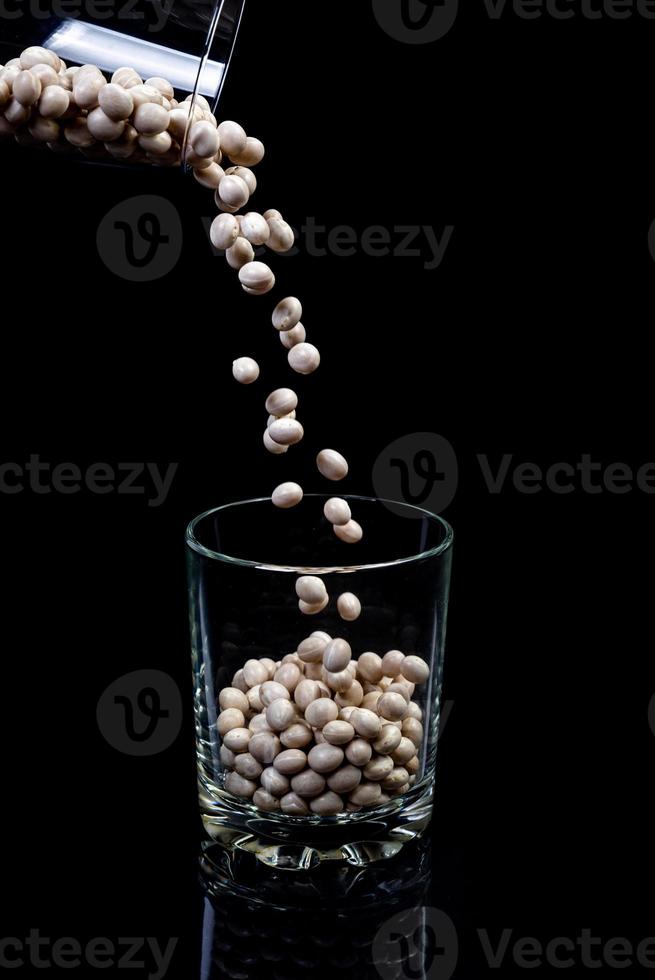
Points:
[318,731]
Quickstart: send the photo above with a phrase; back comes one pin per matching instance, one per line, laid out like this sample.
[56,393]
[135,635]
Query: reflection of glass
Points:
[258,920]
[243,561]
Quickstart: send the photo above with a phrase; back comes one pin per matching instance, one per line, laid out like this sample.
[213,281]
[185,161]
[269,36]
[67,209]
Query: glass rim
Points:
[194,544]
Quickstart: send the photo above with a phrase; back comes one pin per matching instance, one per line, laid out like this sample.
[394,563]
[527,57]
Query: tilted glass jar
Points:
[188,42]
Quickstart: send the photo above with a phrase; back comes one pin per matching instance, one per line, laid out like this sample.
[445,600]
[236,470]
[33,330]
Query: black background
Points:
[531,138]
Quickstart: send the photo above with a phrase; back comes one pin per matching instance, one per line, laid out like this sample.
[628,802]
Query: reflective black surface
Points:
[527,346]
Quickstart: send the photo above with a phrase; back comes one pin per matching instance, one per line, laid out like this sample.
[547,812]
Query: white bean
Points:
[281,402]
[339,733]
[264,746]
[337,511]
[351,532]
[337,655]
[280,714]
[256,278]
[27,88]
[287,495]
[306,692]
[345,779]
[338,681]
[349,607]
[311,650]
[163,85]
[311,589]
[116,102]
[327,805]
[325,757]
[312,608]
[293,805]
[265,801]
[274,447]
[44,130]
[252,153]
[332,465]
[233,138]
[366,794]
[240,254]
[38,56]
[320,712]
[296,736]
[255,228]
[271,691]
[210,177]
[203,139]
[245,370]
[247,766]
[87,90]
[297,335]
[46,75]
[54,102]
[232,697]
[224,231]
[369,667]
[366,723]
[415,670]
[286,432]
[290,761]
[280,235]
[288,674]
[233,191]
[238,786]
[150,119]
[304,358]
[247,176]
[308,783]
[125,77]
[358,752]
[274,782]
[392,706]
[237,739]
[103,128]
[287,313]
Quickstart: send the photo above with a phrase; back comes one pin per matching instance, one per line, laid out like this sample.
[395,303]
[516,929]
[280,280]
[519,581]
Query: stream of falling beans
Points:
[316,732]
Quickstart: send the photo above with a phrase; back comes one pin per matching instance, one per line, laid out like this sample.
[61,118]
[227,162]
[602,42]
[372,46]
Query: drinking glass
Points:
[243,561]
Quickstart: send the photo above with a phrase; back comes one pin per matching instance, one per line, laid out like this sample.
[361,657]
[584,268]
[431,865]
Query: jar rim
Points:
[195,545]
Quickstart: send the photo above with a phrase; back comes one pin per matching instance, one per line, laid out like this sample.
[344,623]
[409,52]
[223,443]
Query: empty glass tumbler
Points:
[244,561]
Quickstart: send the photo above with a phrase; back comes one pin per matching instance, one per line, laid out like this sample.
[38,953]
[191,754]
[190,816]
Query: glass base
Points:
[303,843]
[332,889]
